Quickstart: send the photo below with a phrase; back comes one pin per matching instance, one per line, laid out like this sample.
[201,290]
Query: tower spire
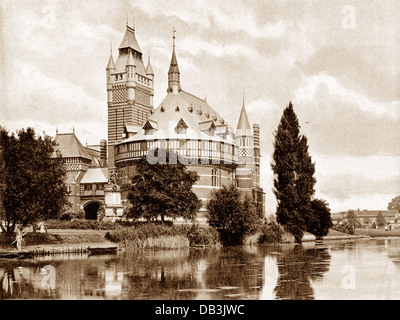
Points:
[174,73]
[243,123]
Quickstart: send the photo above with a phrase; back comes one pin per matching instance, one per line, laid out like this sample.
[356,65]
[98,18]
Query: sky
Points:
[337,61]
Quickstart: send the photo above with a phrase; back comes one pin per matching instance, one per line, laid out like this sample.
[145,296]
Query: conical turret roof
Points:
[243,123]
[111,64]
[149,68]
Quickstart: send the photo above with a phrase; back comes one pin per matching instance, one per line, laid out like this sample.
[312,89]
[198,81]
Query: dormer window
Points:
[181,127]
[150,127]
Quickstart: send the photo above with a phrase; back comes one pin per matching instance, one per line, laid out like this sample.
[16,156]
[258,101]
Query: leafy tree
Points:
[367,221]
[320,220]
[380,220]
[232,216]
[394,204]
[293,175]
[352,219]
[163,190]
[31,180]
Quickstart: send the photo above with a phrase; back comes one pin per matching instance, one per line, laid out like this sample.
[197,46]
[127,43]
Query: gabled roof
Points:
[70,147]
[95,175]
[129,40]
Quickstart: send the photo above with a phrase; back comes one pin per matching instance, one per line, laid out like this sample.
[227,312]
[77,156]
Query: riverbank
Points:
[59,241]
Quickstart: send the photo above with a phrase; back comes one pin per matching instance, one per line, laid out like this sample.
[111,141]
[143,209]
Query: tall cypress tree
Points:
[305,181]
[286,174]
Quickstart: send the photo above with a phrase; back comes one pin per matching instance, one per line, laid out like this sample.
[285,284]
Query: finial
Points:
[134,22]
[56,130]
[127,20]
[73,129]
[173,37]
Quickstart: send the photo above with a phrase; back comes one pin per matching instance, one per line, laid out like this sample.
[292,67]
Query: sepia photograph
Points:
[211,152]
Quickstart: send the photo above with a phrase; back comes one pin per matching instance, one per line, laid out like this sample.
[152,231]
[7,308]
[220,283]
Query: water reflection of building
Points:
[271,276]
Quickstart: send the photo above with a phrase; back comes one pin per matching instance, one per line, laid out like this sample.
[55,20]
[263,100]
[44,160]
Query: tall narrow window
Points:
[214,177]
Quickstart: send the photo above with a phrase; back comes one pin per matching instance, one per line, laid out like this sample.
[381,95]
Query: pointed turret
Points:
[243,127]
[243,123]
[149,68]
[173,72]
[245,141]
[130,62]
[111,64]
[130,78]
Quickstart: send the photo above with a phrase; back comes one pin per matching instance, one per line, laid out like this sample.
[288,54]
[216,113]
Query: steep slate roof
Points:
[70,147]
[95,175]
[129,40]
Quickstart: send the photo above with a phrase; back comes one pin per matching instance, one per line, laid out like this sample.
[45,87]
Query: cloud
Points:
[311,84]
[44,98]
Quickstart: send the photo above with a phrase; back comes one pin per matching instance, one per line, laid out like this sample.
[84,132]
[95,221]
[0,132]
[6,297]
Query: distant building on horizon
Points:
[367,217]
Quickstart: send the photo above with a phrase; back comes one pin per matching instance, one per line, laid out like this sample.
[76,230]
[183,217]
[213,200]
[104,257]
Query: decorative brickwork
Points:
[120,93]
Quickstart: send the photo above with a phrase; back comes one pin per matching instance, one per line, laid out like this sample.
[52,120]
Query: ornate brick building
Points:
[182,123]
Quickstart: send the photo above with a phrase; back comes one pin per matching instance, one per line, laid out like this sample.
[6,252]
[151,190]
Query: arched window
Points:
[214,177]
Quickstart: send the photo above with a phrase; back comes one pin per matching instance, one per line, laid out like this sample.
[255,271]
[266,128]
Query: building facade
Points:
[188,126]
[86,174]
[182,123]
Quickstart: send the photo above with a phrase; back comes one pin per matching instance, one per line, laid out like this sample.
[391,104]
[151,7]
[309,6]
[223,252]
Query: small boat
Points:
[102,250]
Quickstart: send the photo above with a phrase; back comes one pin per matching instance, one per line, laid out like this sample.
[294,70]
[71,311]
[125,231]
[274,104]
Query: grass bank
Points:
[161,236]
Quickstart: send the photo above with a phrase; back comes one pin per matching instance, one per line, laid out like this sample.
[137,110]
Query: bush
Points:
[232,216]
[79,224]
[203,237]
[271,232]
[156,235]
[345,228]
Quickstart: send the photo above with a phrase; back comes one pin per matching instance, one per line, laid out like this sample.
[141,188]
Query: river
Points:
[357,269]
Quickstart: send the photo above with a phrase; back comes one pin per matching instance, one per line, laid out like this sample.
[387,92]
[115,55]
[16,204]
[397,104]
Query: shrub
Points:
[80,224]
[271,232]
[203,237]
[232,216]
[345,228]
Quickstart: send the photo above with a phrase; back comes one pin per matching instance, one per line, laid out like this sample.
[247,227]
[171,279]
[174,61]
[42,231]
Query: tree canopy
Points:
[394,204]
[31,180]
[380,220]
[232,215]
[162,190]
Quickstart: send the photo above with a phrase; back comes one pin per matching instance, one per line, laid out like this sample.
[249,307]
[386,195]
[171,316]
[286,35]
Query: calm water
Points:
[362,269]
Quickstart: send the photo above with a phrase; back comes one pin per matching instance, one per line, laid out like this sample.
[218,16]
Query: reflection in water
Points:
[271,275]
[297,267]
[308,271]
